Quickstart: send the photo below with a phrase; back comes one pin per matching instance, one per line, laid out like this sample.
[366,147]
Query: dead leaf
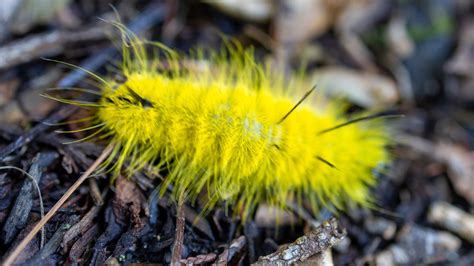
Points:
[12,114]
[36,106]
[356,17]
[398,38]
[300,20]
[129,197]
[296,22]
[462,63]
[269,216]
[7,90]
[253,10]
[458,160]
[362,88]
[28,13]
[460,163]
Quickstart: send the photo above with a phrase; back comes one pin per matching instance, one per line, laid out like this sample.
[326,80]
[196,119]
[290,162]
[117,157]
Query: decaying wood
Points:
[18,217]
[80,228]
[31,249]
[129,240]
[11,258]
[80,246]
[315,241]
[53,244]
[95,192]
[179,236]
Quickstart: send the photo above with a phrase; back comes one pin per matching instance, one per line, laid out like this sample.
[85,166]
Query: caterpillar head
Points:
[129,107]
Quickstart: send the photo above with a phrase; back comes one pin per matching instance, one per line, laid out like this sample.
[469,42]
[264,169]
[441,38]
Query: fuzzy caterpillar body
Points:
[218,131]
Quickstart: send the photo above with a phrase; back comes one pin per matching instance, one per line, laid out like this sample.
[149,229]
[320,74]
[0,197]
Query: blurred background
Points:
[415,57]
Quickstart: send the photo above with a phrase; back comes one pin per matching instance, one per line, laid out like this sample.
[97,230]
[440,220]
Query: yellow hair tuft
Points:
[222,128]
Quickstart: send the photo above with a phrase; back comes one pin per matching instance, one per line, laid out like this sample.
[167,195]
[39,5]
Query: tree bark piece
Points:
[53,244]
[24,202]
[179,237]
[314,242]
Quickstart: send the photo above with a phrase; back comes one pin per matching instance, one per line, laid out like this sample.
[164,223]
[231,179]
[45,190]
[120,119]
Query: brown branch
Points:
[316,241]
[179,237]
[44,44]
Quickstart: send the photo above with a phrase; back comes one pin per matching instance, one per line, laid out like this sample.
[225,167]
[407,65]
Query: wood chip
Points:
[53,244]
[316,241]
[80,228]
[18,217]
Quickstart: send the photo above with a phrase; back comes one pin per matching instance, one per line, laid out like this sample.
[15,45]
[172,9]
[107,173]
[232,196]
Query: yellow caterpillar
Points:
[233,131]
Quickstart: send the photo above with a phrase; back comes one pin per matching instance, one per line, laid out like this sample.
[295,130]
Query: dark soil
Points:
[424,48]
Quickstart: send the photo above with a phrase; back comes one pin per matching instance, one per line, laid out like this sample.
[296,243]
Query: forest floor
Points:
[411,57]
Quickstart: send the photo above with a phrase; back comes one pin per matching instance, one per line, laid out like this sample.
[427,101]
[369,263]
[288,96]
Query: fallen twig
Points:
[314,242]
[179,237]
[44,44]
